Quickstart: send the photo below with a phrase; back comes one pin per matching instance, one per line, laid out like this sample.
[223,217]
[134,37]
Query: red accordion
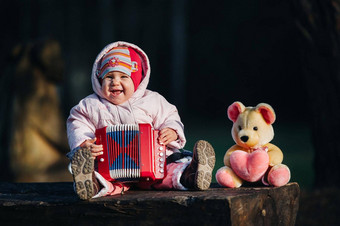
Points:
[131,153]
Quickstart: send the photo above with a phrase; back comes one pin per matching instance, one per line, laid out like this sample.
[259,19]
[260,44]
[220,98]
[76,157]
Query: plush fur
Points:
[252,158]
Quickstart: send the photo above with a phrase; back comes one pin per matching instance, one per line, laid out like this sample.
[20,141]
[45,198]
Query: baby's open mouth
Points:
[116,92]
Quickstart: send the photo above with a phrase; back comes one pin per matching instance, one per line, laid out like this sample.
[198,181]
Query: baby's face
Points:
[117,87]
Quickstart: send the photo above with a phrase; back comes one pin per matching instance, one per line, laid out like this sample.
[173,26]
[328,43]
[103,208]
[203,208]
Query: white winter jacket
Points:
[145,106]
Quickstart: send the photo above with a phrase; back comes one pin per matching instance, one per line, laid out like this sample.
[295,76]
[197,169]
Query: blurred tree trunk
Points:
[318,22]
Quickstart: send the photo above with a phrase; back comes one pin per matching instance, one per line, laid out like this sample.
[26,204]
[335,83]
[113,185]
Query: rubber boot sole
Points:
[206,162]
[82,165]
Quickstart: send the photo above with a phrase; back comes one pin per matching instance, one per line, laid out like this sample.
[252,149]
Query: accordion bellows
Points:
[131,153]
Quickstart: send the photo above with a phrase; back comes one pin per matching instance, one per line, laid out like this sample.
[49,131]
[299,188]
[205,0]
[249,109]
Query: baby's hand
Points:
[167,135]
[95,149]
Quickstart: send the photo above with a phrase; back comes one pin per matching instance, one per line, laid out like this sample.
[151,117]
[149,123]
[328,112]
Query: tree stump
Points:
[56,204]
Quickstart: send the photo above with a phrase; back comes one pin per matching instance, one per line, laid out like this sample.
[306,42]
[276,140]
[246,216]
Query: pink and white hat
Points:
[122,59]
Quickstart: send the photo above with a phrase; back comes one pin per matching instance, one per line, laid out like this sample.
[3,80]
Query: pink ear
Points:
[234,110]
[267,113]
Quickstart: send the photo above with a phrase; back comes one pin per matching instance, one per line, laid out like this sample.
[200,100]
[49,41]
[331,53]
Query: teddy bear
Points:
[252,159]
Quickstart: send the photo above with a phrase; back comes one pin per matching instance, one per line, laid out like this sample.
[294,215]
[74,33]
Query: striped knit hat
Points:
[121,59]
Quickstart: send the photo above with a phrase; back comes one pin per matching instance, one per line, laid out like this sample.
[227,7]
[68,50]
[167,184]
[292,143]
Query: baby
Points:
[120,76]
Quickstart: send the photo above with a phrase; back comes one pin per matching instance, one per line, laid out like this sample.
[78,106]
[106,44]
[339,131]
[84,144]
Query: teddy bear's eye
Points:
[239,128]
[255,128]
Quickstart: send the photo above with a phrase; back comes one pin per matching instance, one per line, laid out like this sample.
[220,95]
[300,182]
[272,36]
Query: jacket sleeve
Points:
[167,115]
[79,127]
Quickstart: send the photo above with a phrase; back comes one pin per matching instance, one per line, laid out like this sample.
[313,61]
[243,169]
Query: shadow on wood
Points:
[56,203]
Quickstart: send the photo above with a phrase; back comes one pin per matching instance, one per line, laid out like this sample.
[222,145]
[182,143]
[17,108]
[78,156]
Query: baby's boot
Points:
[278,175]
[82,165]
[198,173]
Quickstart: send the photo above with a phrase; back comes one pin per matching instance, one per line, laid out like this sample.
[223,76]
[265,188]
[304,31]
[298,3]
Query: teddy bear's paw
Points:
[227,178]
[279,175]
[250,167]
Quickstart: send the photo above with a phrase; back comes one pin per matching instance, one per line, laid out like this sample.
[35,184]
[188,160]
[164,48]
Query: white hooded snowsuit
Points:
[145,106]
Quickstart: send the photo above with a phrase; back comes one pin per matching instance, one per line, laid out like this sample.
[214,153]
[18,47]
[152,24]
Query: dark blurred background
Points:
[204,56]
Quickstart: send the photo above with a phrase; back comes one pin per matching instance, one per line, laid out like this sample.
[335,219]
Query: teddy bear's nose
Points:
[244,138]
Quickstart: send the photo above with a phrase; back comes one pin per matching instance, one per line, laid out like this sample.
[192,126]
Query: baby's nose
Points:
[115,82]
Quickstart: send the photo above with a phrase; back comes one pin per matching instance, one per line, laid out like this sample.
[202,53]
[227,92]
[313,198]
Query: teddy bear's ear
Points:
[267,112]
[234,110]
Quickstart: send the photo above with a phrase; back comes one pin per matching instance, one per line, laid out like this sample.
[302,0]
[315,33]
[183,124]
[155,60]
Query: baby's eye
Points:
[255,128]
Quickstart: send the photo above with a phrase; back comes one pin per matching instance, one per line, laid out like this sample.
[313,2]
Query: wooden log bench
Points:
[56,204]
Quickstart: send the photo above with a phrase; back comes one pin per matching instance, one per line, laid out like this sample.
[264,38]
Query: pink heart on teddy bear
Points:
[250,167]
